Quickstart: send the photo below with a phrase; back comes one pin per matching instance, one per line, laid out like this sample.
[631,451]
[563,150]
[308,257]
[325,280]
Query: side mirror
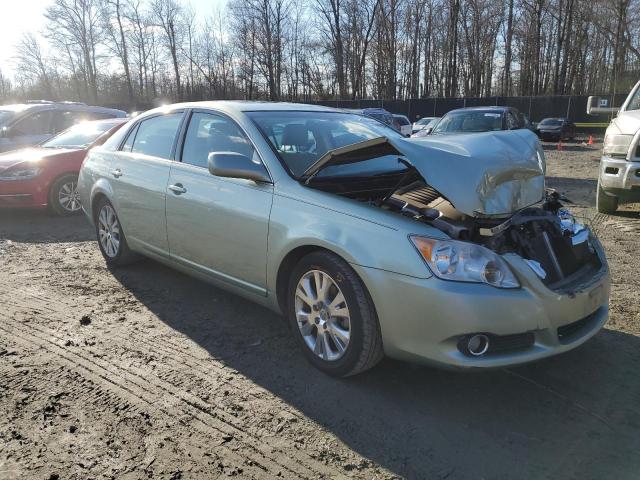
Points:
[427,131]
[236,165]
[599,106]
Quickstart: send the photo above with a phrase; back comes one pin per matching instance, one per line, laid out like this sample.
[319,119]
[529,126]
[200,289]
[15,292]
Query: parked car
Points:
[425,123]
[479,119]
[619,178]
[367,241]
[47,175]
[555,129]
[404,124]
[31,123]
[379,114]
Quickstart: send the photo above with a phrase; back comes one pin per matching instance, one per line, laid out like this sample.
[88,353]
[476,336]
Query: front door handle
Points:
[116,173]
[178,189]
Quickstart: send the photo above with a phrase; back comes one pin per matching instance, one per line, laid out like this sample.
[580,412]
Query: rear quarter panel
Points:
[93,178]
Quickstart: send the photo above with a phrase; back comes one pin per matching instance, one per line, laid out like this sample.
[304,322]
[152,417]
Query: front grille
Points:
[509,343]
[569,332]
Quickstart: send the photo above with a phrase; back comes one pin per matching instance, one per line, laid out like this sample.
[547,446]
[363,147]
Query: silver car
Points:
[443,251]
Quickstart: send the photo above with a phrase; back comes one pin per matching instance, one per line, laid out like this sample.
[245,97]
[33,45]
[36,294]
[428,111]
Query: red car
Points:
[47,175]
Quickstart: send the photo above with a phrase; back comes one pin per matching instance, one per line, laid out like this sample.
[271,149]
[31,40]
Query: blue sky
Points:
[19,17]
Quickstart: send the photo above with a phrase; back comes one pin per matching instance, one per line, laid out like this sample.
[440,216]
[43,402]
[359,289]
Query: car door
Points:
[218,226]
[139,177]
[30,130]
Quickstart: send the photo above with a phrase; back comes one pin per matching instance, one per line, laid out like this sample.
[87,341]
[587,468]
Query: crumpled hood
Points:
[481,174]
[36,154]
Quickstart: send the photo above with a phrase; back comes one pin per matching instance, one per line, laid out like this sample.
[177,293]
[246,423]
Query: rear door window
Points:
[155,136]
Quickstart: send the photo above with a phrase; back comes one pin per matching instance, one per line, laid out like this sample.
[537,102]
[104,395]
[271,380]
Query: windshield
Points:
[79,136]
[301,138]
[6,116]
[469,121]
[425,121]
[554,122]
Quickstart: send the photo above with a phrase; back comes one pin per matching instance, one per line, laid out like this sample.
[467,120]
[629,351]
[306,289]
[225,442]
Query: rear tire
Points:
[64,200]
[335,324]
[111,239]
[605,203]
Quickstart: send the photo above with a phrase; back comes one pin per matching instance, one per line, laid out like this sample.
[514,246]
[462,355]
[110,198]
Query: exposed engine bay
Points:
[554,244]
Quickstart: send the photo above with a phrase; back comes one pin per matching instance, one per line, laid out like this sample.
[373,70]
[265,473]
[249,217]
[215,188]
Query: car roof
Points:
[234,106]
[490,108]
[71,106]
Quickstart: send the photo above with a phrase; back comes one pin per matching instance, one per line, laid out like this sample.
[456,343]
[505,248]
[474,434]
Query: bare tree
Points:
[74,27]
[114,18]
[168,15]
[33,64]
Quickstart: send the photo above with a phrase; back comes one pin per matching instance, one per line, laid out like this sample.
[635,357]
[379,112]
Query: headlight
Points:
[617,145]
[465,262]
[20,173]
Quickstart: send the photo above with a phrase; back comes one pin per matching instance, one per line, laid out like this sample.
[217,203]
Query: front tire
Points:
[110,236]
[605,203]
[332,316]
[64,199]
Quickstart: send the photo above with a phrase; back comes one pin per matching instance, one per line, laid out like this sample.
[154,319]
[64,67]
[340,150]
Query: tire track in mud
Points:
[214,421]
[147,393]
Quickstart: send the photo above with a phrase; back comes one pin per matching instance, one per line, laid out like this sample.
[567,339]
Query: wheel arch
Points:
[100,189]
[288,263]
[53,181]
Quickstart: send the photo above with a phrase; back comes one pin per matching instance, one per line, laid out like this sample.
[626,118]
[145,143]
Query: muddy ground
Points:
[146,373]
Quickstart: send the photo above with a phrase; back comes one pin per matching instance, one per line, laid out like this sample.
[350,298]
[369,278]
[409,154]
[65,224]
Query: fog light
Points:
[478,345]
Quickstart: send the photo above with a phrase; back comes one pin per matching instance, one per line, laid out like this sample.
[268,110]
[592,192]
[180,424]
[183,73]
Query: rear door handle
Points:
[116,173]
[178,189]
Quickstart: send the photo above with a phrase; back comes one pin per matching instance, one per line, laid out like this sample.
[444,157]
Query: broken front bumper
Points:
[423,320]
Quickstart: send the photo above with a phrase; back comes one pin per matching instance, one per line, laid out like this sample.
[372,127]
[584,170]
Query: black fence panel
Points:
[573,107]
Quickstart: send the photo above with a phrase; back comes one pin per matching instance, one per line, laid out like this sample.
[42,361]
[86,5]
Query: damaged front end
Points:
[489,204]
[557,247]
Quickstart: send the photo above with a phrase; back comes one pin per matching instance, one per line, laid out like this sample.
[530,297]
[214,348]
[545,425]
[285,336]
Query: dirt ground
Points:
[146,373]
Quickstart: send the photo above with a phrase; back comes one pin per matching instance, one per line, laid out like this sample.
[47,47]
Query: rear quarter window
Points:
[155,136]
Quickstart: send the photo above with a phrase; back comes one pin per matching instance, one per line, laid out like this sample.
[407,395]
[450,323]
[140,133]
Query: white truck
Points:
[619,177]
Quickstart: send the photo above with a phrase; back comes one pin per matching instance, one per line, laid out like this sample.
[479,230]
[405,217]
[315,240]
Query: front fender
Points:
[295,223]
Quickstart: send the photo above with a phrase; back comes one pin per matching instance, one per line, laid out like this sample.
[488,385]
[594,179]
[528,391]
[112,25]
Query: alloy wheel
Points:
[322,315]
[109,231]
[68,196]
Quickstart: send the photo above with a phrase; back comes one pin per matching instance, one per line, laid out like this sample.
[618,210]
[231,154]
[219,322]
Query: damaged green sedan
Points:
[444,250]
